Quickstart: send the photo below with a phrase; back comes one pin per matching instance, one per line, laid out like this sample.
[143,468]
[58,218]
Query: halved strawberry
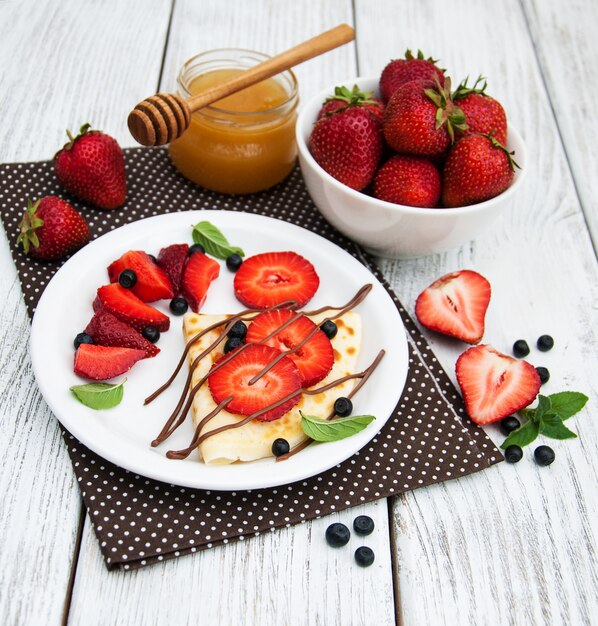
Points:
[172,260]
[274,277]
[455,305]
[199,273]
[314,359]
[102,362]
[128,308]
[495,385]
[107,330]
[152,282]
[232,379]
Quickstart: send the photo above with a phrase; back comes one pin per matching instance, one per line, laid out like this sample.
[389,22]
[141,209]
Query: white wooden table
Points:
[515,544]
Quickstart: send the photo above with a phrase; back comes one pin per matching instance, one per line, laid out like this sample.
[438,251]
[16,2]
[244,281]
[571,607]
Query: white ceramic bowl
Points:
[395,230]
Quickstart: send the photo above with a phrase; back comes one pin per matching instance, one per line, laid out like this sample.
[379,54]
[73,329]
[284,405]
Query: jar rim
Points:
[292,95]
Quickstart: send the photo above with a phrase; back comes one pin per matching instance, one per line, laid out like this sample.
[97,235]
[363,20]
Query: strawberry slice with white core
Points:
[314,358]
[102,362]
[232,379]
[152,281]
[495,385]
[271,278]
[455,305]
[199,273]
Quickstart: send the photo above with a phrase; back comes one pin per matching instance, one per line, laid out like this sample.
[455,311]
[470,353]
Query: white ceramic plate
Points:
[123,434]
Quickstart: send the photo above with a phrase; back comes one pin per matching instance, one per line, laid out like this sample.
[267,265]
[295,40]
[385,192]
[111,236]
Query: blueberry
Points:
[127,279]
[364,556]
[363,525]
[153,258]
[151,333]
[233,262]
[178,306]
[196,247]
[544,455]
[337,535]
[238,330]
[509,424]
[543,373]
[545,343]
[329,328]
[280,447]
[232,343]
[343,407]
[520,348]
[82,338]
[513,454]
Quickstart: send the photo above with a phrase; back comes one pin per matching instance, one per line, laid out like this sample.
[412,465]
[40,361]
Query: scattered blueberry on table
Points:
[513,454]
[509,424]
[544,374]
[337,535]
[544,455]
[363,525]
[545,343]
[520,348]
[364,556]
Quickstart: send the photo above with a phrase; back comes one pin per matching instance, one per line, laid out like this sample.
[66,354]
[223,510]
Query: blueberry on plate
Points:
[545,343]
[543,373]
[343,407]
[127,279]
[364,556]
[520,348]
[178,306]
[363,525]
[544,455]
[232,343]
[280,446]
[196,247]
[513,454]
[82,338]
[509,424]
[337,535]
[151,333]
[233,262]
[329,328]
[238,330]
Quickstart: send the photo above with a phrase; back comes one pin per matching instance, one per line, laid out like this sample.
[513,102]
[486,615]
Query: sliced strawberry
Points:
[102,362]
[152,282]
[232,379]
[314,359]
[199,273]
[495,385]
[172,260]
[274,277]
[107,330]
[128,308]
[455,305]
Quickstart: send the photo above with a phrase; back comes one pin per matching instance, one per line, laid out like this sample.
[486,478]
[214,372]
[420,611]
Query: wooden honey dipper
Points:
[162,118]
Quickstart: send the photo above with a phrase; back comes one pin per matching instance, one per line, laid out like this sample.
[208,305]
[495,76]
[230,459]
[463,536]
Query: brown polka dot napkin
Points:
[139,521]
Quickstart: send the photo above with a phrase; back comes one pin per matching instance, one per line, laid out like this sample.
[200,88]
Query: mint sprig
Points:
[547,418]
[332,430]
[99,396]
[213,241]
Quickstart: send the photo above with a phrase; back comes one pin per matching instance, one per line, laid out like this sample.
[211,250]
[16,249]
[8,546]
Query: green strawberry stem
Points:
[353,97]
[448,113]
[512,163]
[29,224]
[463,90]
[82,131]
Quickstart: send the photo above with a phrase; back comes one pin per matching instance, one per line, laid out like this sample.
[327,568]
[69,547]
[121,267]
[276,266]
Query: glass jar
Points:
[245,142]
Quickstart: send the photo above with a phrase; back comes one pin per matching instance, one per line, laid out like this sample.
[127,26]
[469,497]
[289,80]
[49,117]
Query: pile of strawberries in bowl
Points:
[406,163]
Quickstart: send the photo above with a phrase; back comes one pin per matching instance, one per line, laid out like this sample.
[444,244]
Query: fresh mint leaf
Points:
[523,435]
[552,426]
[213,241]
[332,430]
[567,403]
[99,396]
[544,406]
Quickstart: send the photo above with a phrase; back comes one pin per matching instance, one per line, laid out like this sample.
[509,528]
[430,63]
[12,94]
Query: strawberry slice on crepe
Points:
[455,305]
[495,385]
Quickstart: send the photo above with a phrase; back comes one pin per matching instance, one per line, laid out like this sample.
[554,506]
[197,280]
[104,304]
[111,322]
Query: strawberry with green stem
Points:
[401,71]
[344,97]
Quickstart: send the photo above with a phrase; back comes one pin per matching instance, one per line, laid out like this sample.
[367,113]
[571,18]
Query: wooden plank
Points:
[289,576]
[566,45]
[515,544]
[59,65]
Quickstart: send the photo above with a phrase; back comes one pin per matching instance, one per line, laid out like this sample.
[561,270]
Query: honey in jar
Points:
[244,142]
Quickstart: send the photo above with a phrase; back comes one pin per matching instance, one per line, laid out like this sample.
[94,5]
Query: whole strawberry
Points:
[483,114]
[343,97]
[477,168]
[401,71]
[408,180]
[421,118]
[348,145]
[92,167]
[51,229]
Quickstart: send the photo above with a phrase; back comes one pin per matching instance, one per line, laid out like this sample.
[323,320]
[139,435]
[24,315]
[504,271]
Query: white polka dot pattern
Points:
[139,521]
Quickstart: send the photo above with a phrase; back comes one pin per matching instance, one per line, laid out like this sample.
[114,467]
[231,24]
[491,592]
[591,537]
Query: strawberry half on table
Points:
[152,282]
[92,167]
[51,229]
[495,385]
